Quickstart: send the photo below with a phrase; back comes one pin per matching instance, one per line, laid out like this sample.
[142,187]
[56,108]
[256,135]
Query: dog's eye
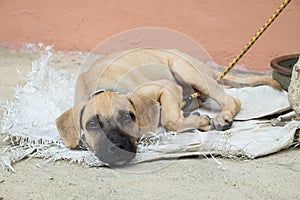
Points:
[93,124]
[129,116]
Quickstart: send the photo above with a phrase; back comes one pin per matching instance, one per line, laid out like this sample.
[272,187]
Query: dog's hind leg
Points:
[206,85]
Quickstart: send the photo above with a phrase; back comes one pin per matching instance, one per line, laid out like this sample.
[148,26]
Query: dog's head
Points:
[111,125]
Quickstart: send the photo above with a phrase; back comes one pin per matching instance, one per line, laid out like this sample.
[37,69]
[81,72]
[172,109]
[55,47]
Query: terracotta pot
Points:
[282,69]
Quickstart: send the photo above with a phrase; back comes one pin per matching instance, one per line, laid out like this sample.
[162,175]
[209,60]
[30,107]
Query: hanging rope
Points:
[254,39]
[188,99]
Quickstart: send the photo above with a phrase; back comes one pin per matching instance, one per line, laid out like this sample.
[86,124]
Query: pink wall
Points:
[223,27]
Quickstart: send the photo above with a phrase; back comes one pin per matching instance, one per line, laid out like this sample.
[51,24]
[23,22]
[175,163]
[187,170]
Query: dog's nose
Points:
[115,149]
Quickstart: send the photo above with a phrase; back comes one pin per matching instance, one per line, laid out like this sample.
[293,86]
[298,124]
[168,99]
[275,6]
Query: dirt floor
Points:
[272,177]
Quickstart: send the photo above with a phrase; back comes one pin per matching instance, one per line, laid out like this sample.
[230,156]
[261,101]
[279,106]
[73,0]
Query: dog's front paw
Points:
[205,122]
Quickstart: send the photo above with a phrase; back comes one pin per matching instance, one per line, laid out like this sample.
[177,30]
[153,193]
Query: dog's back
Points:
[124,71]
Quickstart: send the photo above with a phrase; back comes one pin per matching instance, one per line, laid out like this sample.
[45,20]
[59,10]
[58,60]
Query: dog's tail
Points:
[243,81]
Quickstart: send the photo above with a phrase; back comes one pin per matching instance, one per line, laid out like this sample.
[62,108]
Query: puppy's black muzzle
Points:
[115,149]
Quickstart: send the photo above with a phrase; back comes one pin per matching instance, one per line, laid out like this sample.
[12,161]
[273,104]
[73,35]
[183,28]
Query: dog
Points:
[130,93]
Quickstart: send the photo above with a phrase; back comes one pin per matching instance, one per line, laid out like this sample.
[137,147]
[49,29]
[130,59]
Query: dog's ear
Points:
[69,126]
[147,113]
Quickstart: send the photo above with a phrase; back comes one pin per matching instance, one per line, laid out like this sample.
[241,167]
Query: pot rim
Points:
[276,66]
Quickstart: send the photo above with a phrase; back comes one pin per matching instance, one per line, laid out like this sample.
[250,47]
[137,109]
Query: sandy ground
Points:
[273,177]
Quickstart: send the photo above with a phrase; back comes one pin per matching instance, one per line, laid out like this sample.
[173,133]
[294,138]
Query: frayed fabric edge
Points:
[17,148]
[210,144]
